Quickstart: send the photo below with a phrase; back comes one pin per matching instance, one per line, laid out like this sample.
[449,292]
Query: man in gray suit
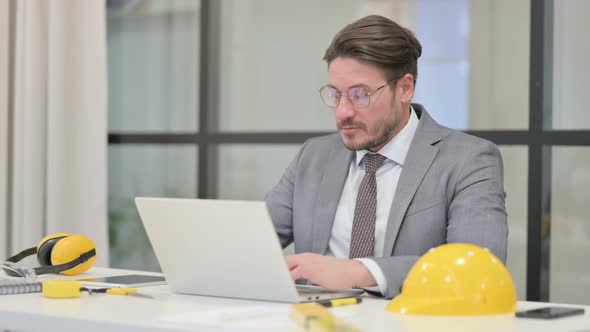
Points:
[363,205]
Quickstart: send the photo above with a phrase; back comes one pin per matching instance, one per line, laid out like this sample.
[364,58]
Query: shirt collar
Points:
[397,148]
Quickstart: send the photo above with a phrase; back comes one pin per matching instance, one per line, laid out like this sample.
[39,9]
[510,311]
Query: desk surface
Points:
[165,311]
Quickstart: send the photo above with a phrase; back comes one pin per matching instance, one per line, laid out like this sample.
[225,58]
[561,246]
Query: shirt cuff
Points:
[377,273]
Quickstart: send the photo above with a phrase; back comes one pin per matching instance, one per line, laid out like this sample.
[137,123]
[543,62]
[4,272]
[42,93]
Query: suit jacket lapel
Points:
[420,156]
[335,174]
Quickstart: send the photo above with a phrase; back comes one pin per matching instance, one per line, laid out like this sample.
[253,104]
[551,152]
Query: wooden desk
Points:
[173,312]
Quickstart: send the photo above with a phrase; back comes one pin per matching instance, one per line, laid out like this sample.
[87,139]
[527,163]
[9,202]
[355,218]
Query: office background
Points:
[213,98]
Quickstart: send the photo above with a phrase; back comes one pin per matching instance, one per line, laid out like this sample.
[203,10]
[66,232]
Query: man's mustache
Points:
[350,123]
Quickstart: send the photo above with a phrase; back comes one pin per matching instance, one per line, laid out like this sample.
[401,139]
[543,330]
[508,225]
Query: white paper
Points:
[238,318]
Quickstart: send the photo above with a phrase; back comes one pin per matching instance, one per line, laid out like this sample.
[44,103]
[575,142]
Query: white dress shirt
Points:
[387,177]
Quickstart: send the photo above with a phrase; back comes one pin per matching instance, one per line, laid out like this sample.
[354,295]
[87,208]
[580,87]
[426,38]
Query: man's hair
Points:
[378,41]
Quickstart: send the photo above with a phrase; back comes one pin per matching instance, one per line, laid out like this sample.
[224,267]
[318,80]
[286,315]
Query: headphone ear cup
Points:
[46,247]
[70,248]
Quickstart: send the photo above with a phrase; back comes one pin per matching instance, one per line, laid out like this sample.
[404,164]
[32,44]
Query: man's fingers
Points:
[292,261]
[297,273]
[298,259]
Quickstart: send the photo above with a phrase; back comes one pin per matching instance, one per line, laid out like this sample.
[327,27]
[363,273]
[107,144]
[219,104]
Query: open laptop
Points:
[223,248]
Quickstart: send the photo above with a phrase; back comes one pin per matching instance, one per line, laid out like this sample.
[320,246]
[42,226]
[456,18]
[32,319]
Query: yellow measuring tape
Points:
[315,317]
[63,289]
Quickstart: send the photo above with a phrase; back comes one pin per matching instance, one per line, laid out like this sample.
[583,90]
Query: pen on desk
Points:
[340,302]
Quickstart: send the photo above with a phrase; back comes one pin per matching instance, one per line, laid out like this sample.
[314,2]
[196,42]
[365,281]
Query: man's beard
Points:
[384,133]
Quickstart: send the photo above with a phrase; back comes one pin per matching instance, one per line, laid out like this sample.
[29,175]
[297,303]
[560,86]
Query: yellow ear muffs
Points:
[59,253]
[71,248]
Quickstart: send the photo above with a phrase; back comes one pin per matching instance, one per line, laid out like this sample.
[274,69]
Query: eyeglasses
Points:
[358,95]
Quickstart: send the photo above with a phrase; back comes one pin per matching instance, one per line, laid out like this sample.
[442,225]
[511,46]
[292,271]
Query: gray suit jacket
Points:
[450,190]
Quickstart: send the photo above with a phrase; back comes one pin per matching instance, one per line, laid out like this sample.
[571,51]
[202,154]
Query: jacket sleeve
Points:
[279,201]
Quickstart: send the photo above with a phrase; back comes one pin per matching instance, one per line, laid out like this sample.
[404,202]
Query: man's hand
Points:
[330,272]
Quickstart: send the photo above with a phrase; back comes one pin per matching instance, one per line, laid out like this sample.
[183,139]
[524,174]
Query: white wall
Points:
[4,12]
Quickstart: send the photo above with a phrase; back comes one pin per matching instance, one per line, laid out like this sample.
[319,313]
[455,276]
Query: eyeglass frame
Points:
[369,94]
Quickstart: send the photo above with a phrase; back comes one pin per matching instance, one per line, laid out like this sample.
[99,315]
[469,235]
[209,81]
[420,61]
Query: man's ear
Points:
[405,87]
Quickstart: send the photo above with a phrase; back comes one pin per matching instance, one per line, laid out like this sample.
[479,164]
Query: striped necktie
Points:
[362,240]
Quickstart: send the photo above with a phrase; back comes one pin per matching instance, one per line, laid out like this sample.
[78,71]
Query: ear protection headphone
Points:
[65,253]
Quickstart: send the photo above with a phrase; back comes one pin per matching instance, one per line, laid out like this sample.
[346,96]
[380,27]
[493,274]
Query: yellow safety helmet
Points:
[456,279]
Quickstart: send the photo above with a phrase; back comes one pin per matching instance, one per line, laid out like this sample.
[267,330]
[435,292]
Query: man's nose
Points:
[345,109]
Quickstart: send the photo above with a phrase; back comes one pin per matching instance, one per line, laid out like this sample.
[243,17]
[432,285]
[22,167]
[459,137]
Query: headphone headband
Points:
[18,257]
[66,266]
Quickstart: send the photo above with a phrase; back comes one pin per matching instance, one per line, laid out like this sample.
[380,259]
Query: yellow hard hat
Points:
[456,279]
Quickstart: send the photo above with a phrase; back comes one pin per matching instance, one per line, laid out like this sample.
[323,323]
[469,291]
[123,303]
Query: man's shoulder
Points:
[456,148]
[451,139]
[466,142]
[325,142]
[459,148]
[321,148]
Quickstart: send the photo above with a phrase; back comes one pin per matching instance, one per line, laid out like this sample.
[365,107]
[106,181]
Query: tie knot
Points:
[373,162]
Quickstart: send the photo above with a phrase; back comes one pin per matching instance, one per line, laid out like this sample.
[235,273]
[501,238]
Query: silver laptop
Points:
[223,248]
